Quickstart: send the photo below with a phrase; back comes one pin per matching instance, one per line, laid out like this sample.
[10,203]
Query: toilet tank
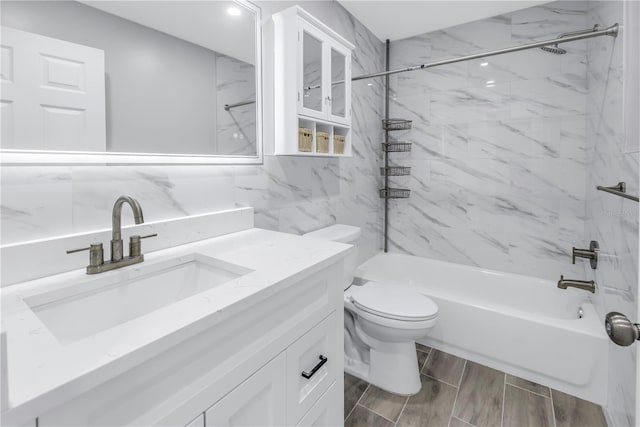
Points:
[344,234]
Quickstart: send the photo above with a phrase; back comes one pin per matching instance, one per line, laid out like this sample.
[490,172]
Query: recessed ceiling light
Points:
[369,84]
[490,86]
[233,11]
[484,64]
[490,82]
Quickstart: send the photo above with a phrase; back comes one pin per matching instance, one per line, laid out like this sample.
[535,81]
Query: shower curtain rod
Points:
[609,31]
[227,107]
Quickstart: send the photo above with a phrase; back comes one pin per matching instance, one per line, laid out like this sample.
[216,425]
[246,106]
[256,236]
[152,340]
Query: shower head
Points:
[560,51]
[554,49]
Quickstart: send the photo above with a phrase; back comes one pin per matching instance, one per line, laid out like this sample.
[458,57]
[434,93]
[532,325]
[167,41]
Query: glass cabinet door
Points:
[312,78]
[324,76]
[338,101]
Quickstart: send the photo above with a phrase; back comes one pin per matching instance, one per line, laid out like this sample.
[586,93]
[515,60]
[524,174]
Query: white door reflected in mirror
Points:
[53,93]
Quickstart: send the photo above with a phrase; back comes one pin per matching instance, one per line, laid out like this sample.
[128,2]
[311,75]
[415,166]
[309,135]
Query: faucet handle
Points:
[591,254]
[96,253]
[73,251]
[135,247]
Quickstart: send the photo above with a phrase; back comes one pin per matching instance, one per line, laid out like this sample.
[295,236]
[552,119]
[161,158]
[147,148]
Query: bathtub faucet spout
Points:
[587,285]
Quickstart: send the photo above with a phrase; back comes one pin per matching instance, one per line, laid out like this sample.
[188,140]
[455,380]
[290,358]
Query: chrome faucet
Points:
[587,285]
[116,226]
[96,252]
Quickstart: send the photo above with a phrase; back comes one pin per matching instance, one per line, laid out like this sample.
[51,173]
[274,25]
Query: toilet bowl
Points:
[382,322]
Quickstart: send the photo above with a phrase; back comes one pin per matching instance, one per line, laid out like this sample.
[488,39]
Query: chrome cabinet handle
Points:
[315,369]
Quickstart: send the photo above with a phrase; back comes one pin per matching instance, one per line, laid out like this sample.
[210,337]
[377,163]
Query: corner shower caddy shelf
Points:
[394,147]
[395,193]
[396,124]
[395,171]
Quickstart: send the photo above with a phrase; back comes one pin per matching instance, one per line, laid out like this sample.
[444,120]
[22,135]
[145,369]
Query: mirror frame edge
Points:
[12,157]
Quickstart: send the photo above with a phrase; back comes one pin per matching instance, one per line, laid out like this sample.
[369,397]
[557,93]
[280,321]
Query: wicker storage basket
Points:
[304,140]
[338,144]
[322,142]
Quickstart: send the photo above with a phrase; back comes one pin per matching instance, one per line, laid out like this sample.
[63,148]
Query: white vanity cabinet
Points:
[285,389]
[312,86]
[261,365]
[325,411]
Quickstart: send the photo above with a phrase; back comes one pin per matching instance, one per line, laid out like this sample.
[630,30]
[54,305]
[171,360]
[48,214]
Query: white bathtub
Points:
[518,324]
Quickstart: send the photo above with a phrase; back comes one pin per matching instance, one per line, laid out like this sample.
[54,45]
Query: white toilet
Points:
[381,323]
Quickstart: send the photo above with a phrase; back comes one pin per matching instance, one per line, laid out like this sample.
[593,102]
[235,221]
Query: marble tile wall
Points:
[611,220]
[507,156]
[499,147]
[288,193]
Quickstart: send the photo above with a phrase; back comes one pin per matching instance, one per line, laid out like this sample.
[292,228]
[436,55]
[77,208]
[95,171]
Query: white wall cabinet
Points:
[312,85]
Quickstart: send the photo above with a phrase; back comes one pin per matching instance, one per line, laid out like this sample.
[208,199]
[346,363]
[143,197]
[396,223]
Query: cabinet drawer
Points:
[312,365]
[326,411]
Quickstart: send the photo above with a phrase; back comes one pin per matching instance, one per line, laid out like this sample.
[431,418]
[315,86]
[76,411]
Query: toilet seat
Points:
[393,302]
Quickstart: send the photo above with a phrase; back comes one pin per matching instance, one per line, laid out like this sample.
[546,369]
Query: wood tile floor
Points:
[460,393]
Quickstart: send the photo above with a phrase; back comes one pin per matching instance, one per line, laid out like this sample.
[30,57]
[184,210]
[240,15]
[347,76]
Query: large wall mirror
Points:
[169,81]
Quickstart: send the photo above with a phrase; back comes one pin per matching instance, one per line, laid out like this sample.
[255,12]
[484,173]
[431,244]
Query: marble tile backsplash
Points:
[288,193]
[499,144]
[610,220]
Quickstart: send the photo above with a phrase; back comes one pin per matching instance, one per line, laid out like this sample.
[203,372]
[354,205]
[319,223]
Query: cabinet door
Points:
[312,71]
[313,364]
[327,411]
[339,108]
[197,422]
[258,401]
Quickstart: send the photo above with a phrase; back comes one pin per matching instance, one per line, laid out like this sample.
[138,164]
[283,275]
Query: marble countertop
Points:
[43,373]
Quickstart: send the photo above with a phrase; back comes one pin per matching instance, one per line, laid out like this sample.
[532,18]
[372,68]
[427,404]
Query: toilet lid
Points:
[393,301]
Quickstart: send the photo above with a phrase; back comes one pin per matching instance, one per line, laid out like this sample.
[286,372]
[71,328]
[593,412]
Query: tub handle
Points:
[620,329]
[591,254]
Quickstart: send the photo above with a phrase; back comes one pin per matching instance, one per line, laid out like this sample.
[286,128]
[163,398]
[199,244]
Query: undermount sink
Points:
[94,305]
